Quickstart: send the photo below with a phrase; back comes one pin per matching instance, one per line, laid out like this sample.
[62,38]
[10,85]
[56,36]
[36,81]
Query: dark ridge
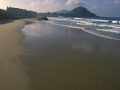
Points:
[82,12]
[76,12]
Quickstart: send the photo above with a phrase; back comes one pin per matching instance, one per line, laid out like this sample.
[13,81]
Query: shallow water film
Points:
[63,58]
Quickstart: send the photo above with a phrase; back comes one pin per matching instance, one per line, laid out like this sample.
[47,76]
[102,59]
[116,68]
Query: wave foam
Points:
[115,21]
[88,31]
[109,30]
[98,20]
[79,18]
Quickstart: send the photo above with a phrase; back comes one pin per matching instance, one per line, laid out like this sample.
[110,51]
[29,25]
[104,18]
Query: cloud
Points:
[117,1]
[48,2]
[45,6]
[110,9]
[35,3]
[74,2]
[95,7]
[50,5]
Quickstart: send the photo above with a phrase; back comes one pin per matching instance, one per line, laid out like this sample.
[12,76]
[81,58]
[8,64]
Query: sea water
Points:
[103,27]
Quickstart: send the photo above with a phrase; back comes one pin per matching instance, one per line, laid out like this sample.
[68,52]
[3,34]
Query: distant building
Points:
[3,13]
[16,12]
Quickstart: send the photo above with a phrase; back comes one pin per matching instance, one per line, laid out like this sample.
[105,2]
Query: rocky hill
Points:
[76,12]
[82,12]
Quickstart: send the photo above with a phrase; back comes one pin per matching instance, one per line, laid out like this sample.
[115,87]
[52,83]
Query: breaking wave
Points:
[109,29]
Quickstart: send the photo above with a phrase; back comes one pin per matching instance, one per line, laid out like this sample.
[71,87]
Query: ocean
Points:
[102,26]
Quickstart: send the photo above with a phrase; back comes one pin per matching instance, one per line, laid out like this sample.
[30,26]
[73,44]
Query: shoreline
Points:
[13,75]
[76,54]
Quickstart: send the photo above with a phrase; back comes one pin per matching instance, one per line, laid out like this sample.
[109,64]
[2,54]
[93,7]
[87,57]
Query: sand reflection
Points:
[35,30]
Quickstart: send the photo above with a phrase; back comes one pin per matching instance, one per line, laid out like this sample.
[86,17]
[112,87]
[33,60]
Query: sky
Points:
[105,8]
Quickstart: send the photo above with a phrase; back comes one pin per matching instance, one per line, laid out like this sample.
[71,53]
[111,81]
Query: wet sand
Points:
[12,70]
[72,60]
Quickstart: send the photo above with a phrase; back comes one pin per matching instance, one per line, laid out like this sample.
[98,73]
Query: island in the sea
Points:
[76,12]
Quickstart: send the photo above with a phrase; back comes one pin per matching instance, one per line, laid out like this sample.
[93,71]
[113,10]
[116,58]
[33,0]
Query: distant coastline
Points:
[76,12]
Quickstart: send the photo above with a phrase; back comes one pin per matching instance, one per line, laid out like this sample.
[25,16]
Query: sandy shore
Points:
[56,60]
[12,75]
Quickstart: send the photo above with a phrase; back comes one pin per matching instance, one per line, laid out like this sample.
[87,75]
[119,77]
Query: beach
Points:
[12,75]
[70,59]
[44,56]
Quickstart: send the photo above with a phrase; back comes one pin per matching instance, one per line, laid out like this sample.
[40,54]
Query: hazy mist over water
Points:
[64,58]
